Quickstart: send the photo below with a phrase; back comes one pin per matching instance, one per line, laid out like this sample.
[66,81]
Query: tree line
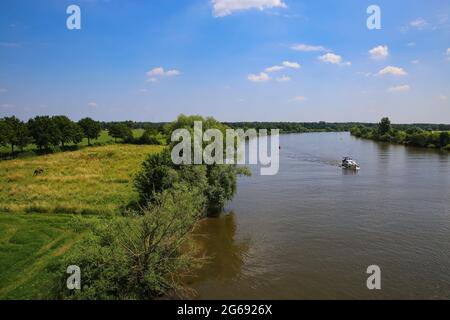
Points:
[410,135]
[47,132]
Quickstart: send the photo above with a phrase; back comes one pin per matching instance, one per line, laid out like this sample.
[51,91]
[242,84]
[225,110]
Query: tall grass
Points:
[94,180]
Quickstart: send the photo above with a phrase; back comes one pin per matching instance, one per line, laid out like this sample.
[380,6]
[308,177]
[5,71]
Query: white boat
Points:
[349,164]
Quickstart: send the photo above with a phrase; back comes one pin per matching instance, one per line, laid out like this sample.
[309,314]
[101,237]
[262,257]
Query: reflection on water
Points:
[312,230]
[215,238]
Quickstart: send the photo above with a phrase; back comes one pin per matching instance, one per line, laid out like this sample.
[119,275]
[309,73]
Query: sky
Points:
[235,60]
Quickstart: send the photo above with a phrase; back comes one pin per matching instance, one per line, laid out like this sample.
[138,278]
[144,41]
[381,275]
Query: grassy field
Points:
[28,243]
[37,212]
[89,181]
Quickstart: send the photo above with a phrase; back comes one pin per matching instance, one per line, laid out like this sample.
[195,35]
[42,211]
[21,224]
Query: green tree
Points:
[216,182]
[3,132]
[444,138]
[142,256]
[120,131]
[69,131]
[384,126]
[44,131]
[90,128]
[16,133]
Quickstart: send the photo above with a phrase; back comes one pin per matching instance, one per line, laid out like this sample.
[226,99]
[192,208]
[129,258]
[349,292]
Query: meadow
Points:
[37,212]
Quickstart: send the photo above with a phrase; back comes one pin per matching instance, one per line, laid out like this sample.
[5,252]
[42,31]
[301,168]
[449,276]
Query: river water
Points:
[311,231]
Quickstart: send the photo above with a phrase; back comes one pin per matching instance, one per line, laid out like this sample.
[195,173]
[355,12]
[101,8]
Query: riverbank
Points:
[409,136]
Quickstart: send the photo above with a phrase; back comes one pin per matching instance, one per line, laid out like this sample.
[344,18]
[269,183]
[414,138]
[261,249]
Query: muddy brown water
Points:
[311,231]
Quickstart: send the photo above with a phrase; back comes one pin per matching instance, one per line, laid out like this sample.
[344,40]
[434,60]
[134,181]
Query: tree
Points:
[152,136]
[44,131]
[384,126]
[90,128]
[3,132]
[16,133]
[120,131]
[217,183]
[444,138]
[141,256]
[69,131]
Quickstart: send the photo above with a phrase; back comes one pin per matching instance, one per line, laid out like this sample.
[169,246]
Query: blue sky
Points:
[236,60]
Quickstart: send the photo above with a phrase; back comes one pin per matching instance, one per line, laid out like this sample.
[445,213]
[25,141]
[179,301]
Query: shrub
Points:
[141,256]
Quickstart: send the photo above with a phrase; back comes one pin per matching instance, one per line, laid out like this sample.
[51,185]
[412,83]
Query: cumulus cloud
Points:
[293,65]
[283,79]
[284,65]
[92,104]
[298,99]
[334,59]
[396,71]
[274,69]
[401,88]
[380,52]
[308,48]
[160,72]
[262,77]
[223,8]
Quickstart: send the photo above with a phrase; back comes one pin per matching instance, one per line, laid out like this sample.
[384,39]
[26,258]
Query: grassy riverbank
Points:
[37,212]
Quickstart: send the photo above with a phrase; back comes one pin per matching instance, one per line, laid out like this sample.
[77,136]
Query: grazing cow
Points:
[38,172]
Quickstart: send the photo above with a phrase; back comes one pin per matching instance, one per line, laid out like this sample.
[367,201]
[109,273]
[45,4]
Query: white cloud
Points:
[7,106]
[3,90]
[143,90]
[448,51]
[419,24]
[283,79]
[396,71]
[262,77]
[152,79]
[308,48]
[223,8]
[415,61]
[379,52]
[443,97]
[298,99]
[172,73]
[333,59]
[160,72]
[274,69]
[92,104]
[402,88]
[411,44]
[293,65]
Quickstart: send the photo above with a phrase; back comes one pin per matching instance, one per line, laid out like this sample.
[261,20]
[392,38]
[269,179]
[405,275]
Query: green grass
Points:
[28,243]
[36,213]
[94,180]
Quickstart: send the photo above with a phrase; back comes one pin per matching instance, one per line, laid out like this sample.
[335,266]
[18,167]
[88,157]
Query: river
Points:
[311,231]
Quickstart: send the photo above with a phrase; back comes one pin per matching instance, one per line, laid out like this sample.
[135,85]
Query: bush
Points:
[142,256]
